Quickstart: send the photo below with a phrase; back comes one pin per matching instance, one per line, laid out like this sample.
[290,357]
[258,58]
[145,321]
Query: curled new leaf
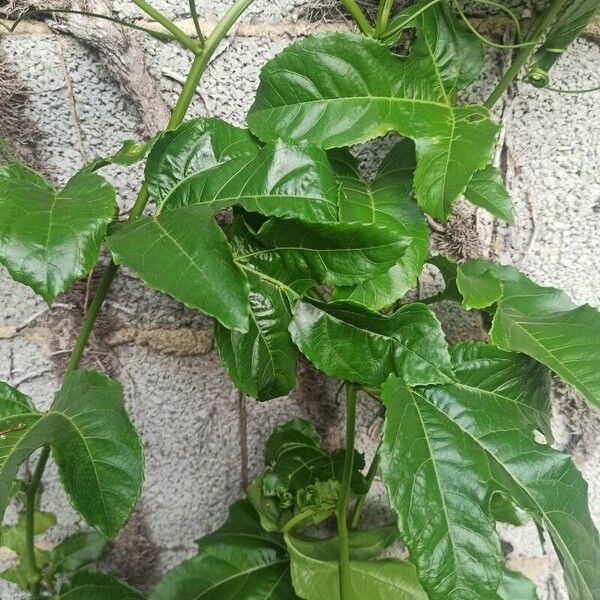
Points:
[386,201]
[302,479]
[48,238]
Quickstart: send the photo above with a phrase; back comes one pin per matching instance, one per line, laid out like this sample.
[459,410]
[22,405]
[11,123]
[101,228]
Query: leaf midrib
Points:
[512,477]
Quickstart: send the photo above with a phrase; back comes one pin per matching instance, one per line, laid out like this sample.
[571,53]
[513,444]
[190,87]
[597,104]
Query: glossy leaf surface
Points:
[315,574]
[50,239]
[487,189]
[97,449]
[88,585]
[543,323]
[186,255]
[340,89]
[331,253]
[261,361]
[387,201]
[347,341]
[447,449]
[238,560]
[208,161]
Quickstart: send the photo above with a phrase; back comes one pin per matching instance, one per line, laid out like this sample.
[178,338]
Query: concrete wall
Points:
[203,439]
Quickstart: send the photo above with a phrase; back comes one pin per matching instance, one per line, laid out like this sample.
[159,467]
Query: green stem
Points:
[177,33]
[197,69]
[194,13]
[542,25]
[30,500]
[383,17]
[360,503]
[359,17]
[344,499]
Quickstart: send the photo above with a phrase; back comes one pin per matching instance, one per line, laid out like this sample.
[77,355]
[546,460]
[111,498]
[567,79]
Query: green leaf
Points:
[330,253]
[271,266]
[290,434]
[76,551]
[88,585]
[506,511]
[479,289]
[184,154]
[97,449]
[49,238]
[207,161]
[239,558]
[315,574]
[350,342]
[341,89]
[456,55]
[262,361]
[545,324]
[514,585]
[186,255]
[447,449]
[487,189]
[128,154]
[387,201]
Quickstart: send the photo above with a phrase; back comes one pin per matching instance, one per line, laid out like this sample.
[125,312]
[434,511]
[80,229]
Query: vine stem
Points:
[199,64]
[383,17]
[360,503]
[542,25]
[359,17]
[344,499]
[178,34]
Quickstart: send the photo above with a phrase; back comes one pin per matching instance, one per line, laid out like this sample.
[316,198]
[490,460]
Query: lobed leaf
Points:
[97,449]
[487,189]
[49,238]
[347,341]
[341,89]
[76,551]
[93,585]
[541,322]
[387,201]
[447,449]
[515,585]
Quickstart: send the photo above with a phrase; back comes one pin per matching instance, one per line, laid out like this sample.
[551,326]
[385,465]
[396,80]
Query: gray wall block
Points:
[202,439]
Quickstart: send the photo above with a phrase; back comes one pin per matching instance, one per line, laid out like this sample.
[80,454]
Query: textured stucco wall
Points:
[203,439]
